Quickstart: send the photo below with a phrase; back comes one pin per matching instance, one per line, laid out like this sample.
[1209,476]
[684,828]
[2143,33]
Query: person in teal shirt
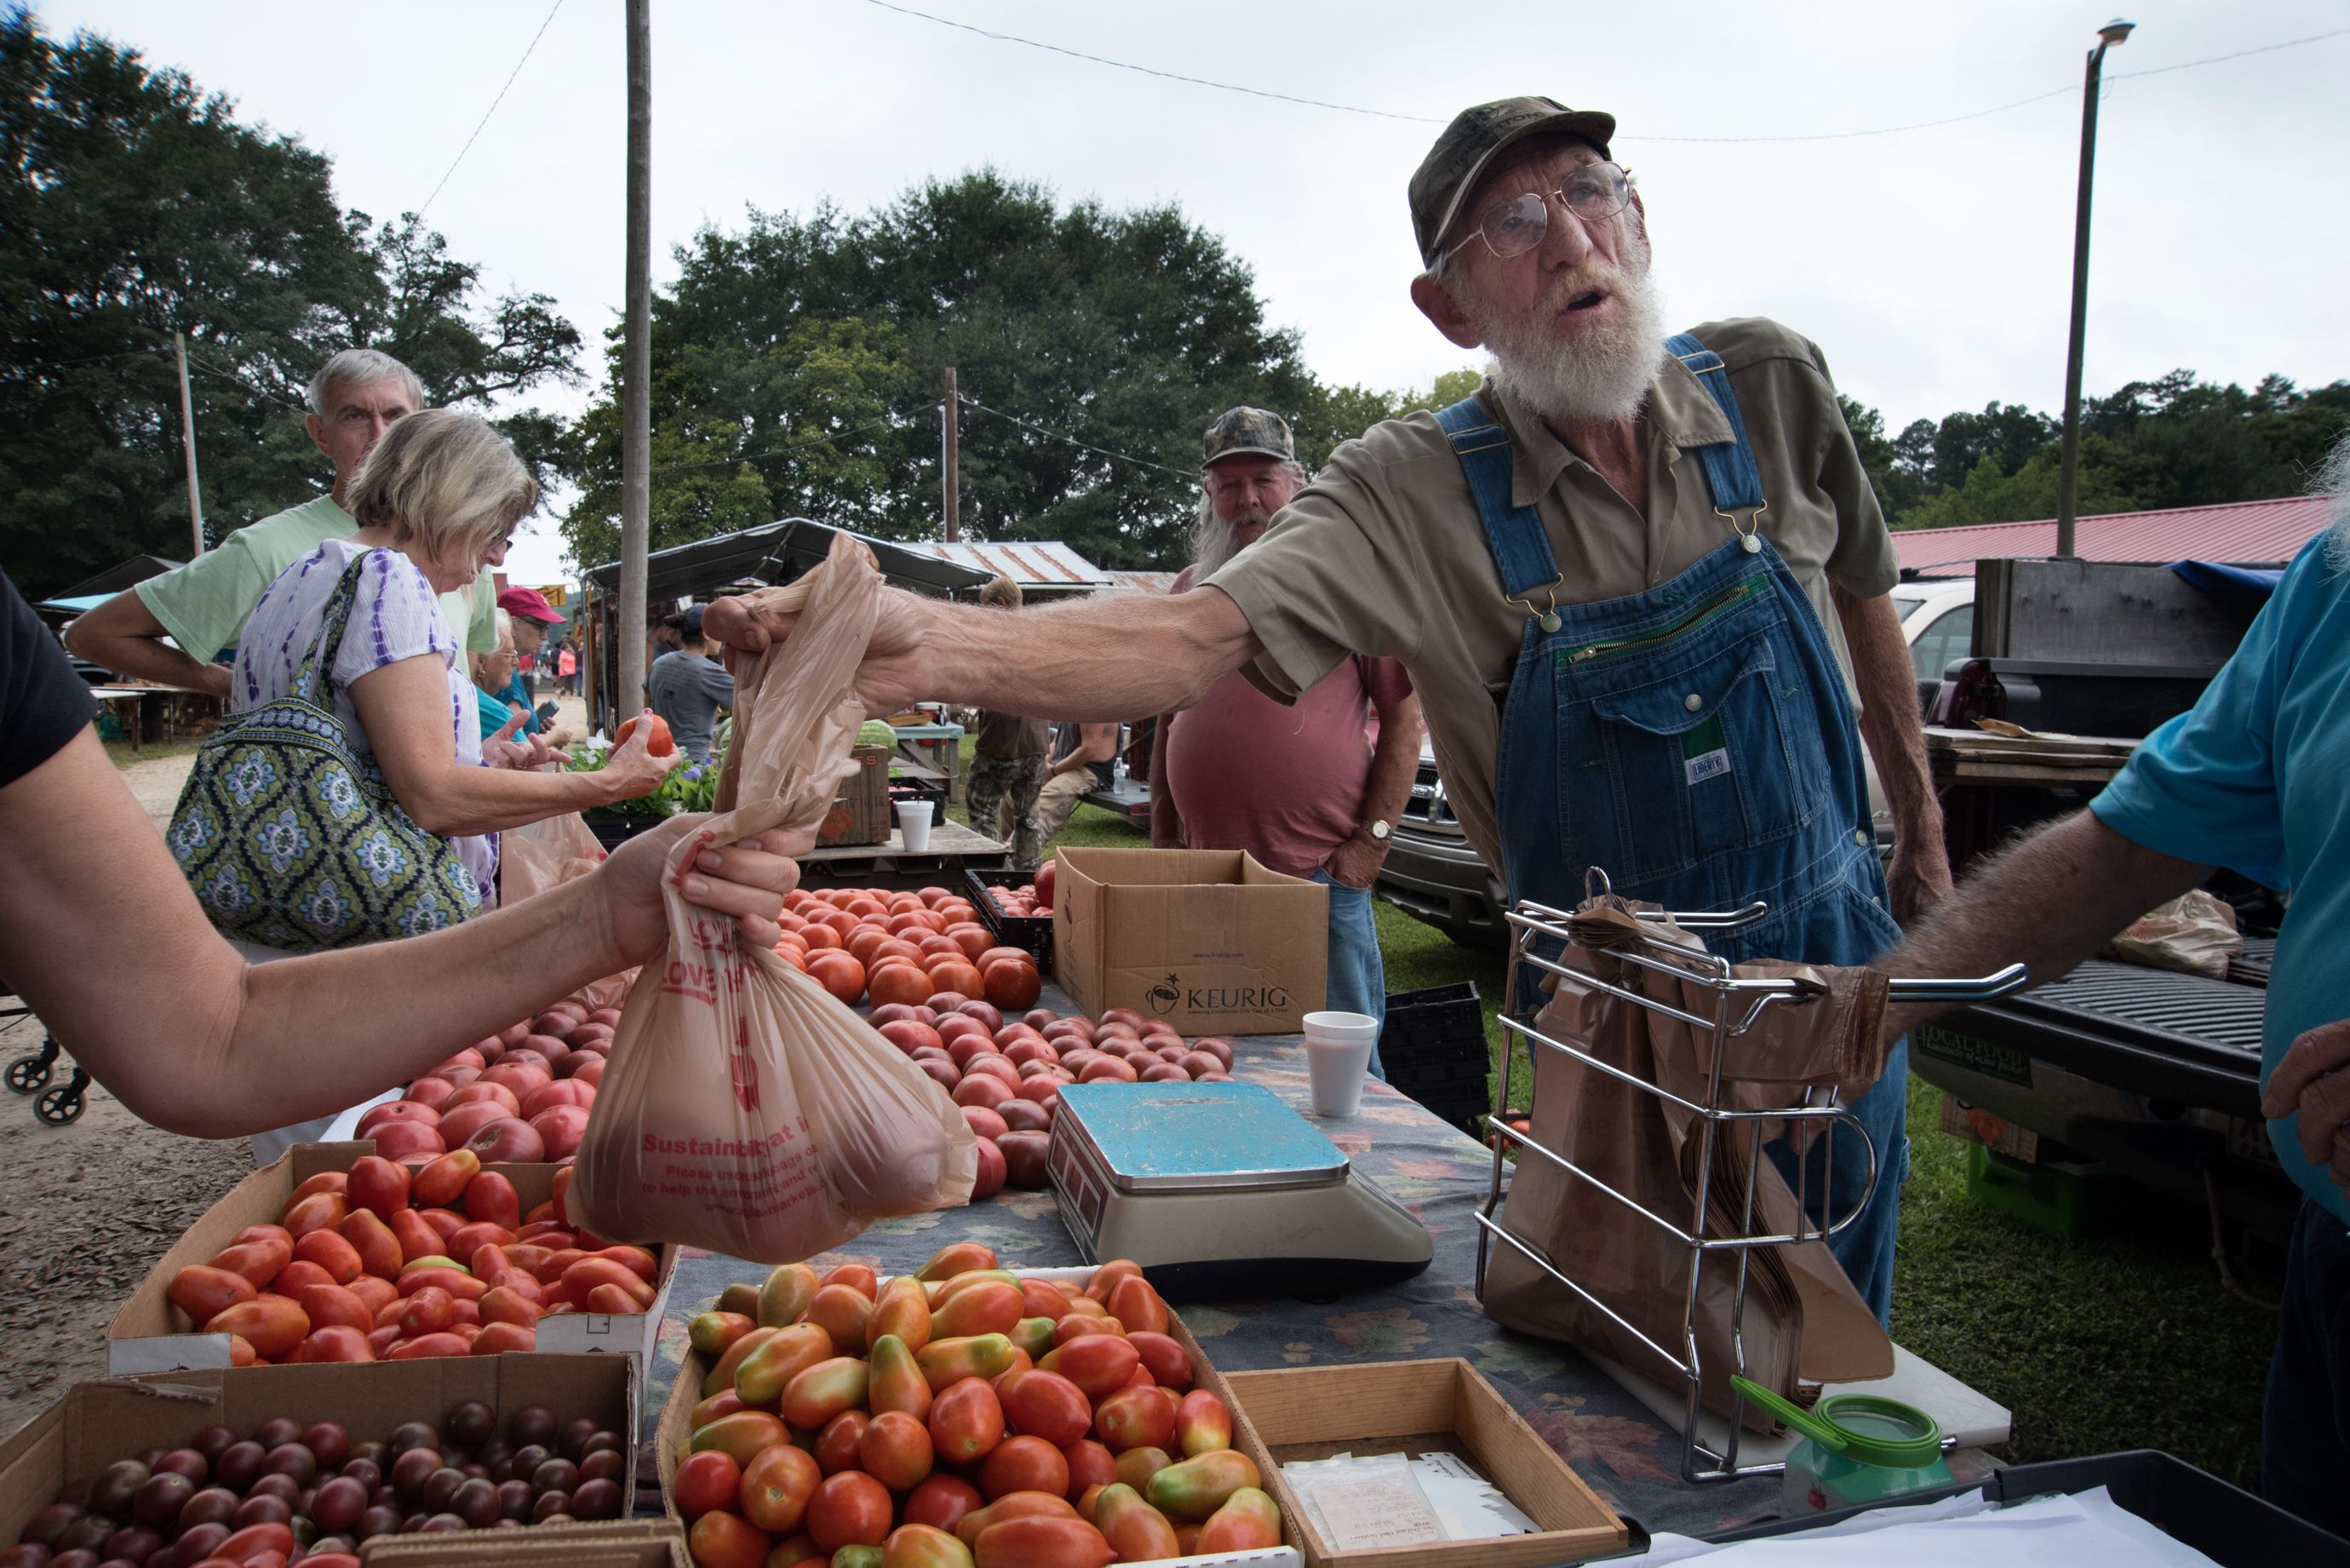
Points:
[2251,778]
[492,675]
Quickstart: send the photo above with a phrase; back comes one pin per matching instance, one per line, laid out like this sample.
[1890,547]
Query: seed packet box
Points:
[151,1334]
[1207,939]
[670,1438]
[98,1423]
[1416,1407]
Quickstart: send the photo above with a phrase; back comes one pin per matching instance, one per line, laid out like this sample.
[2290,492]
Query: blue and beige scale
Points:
[1220,1191]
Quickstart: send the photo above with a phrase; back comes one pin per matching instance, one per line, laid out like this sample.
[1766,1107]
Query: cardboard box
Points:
[635,1543]
[98,1423]
[1418,1406]
[860,811]
[151,1334]
[1206,938]
[1994,1132]
[670,1437]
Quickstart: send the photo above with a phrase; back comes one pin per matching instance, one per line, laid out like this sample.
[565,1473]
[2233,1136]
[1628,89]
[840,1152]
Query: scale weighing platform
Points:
[1220,1191]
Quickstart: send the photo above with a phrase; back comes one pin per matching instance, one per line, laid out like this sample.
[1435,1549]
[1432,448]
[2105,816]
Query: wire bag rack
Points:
[1735,1005]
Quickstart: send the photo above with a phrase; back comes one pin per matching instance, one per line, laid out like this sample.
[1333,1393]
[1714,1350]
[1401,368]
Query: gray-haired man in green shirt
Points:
[202,608]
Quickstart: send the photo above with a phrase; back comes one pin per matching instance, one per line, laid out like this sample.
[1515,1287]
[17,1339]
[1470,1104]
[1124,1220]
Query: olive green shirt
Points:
[1383,554]
[203,604]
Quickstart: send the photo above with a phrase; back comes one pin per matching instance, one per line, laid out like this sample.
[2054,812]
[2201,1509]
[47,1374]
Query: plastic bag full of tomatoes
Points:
[746,1109]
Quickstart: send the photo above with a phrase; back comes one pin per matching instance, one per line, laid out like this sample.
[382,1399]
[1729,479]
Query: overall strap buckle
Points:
[1731,472]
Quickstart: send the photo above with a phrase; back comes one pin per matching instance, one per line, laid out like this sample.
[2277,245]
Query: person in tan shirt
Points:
[1642,644]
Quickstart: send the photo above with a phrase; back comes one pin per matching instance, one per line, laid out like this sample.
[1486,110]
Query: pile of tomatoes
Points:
[863,943]
[1007,1076]
[959,1416]
[389,1261]
[519,1097]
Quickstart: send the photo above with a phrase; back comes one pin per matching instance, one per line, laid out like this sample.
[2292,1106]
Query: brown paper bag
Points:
[1804,1321]
[747,1110]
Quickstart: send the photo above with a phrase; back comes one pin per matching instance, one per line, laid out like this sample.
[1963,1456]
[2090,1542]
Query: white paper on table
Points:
[2062,1532]
[1376,1509]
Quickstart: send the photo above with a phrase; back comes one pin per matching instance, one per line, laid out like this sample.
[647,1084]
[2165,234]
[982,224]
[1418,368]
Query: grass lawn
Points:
[2119,1342]
[122,756]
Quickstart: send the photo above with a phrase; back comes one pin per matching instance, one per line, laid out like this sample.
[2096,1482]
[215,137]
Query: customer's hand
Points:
[523,754]
[632,769]
[746,881]
[2310,1084]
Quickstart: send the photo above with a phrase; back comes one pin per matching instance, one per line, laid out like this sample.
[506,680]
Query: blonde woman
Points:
[437,500]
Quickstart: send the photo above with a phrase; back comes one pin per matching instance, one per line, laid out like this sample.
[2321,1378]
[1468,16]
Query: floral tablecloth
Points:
[1615,1444]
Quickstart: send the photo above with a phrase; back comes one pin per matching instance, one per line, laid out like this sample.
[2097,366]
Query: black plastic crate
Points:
[1432,1046]
[906,786]
[1030,933]
[2226,1523]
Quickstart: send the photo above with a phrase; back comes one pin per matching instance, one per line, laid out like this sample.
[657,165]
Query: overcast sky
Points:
[1933,267]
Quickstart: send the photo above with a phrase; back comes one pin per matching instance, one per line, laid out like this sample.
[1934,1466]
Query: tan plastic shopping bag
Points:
[747,1110]
[545,853]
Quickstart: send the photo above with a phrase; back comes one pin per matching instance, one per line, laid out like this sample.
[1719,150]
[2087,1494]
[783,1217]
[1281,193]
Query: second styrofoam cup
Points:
[1338,1058]
[914,821]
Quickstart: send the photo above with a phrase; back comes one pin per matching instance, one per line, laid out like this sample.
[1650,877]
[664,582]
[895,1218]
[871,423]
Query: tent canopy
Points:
[778,553]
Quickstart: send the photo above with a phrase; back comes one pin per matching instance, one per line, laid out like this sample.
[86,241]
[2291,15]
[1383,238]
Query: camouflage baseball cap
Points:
[1450,172]
[1246,430]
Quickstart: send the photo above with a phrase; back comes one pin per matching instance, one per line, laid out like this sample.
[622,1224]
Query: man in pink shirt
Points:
[1303,788]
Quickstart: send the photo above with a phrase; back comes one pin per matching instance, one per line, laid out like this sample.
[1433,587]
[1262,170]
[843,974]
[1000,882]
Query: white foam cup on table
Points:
[914,821]
[1338,1058]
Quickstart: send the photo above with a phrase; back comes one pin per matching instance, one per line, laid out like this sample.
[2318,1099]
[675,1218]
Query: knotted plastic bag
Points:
[745,1108]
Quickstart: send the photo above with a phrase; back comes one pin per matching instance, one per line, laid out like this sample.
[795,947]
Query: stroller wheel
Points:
[59,1105]
[26,1074]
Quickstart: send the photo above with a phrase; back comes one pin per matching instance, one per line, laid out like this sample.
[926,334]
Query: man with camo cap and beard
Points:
[1639,583]
[1299,786]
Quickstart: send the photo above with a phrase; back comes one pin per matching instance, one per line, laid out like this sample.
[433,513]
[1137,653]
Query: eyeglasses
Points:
[1594,192]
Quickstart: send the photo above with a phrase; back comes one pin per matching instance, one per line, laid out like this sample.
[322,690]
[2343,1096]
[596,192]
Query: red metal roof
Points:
[2242,533]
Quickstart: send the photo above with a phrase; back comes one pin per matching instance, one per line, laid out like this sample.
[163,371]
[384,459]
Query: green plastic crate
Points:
[2063,1197]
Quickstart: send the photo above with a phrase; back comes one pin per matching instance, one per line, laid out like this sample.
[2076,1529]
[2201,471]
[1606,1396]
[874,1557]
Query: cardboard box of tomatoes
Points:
[158,1331]
[822,1414]
[139,1463]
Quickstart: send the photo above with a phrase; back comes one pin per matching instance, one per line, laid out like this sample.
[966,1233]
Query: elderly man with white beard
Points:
[1297,784]
[2249,778]
[1638,582]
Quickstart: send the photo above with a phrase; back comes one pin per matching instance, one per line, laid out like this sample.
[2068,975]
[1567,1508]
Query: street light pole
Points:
[2069,480]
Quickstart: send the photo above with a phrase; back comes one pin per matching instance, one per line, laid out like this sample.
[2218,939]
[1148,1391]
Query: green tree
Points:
[1091,346]
[134,204]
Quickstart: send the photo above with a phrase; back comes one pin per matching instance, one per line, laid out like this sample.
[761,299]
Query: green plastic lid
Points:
[1865,1428]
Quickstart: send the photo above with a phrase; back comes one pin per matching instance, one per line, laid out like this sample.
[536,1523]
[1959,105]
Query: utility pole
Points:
[954,480]
[2068,481]
[636,368]
[188,440]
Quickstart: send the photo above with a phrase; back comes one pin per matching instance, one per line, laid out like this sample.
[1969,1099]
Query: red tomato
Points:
[706,1480]
[775,1489]
[850,1508]
[658,741]
[723,1540]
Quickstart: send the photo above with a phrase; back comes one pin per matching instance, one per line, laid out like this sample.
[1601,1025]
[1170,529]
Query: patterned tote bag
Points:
[293,840]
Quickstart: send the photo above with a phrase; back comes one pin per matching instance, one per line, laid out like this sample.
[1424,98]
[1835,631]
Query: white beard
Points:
[2333,482]
[1601,373]
[1212,546]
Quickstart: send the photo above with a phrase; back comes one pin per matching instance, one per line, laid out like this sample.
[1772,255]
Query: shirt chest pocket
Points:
[1712,753]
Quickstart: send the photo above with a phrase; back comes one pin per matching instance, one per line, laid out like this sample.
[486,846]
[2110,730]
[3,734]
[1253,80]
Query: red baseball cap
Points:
[531,605]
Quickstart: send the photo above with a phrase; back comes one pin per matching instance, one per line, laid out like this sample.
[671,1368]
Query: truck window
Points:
[1947,639]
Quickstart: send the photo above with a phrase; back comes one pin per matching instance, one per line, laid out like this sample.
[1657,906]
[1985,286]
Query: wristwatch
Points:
[1378,830]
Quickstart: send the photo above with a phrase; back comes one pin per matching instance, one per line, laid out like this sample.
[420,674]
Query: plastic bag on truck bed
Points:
[746,1109]
[2194,933]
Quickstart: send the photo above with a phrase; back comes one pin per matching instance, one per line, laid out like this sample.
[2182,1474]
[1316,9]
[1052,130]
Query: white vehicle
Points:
[1938,622]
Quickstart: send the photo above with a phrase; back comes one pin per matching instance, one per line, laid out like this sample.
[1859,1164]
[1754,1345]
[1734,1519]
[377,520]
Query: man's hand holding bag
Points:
[746,1109]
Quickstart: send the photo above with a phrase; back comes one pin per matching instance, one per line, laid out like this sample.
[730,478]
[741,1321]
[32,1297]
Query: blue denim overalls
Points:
[1697,742]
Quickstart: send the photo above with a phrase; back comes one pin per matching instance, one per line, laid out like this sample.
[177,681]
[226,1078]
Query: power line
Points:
[882,423]
[1149,70]
[209,368]
[1425,120]
[535,37]
[1064,435]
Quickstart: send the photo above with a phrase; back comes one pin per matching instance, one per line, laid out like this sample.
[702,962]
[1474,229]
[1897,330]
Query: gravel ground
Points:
[88,1208]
